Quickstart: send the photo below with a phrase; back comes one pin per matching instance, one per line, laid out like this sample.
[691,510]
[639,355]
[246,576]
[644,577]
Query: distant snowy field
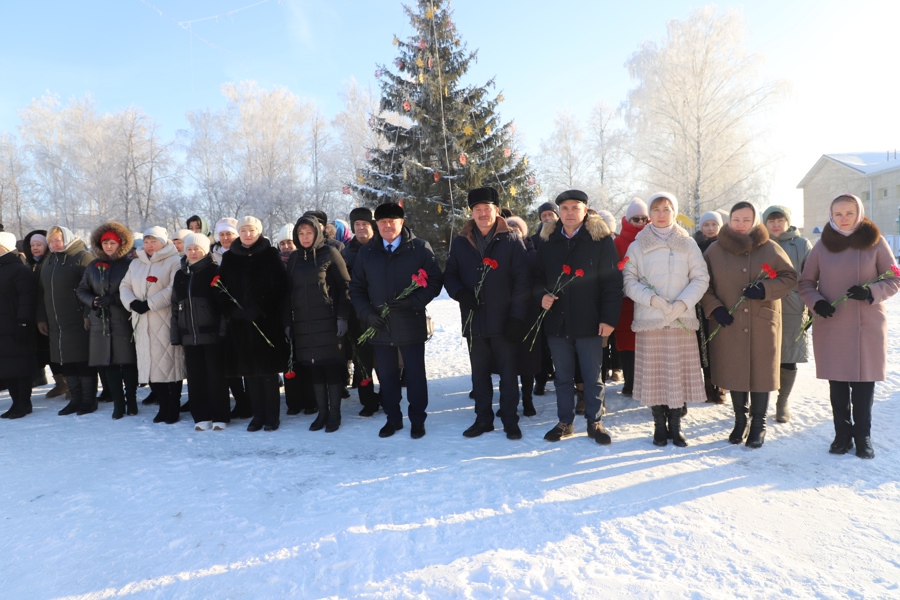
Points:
[94,508]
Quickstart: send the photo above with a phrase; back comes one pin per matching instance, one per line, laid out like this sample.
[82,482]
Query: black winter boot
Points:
[739,401]
[675,415]
[782,414]
[660,432]
[88,395]
[321,394]
[843,427]
[173,412]
[759,404]
[74,386]
[335,394]
[130,379]
[863,397]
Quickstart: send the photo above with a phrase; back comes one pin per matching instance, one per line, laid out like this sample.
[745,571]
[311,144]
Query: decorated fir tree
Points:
[441,137]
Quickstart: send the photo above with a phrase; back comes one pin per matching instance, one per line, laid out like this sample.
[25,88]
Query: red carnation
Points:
[365,382]
[290,375]
[772,273]
[152,279]
[214,281]
[102,265]
[567,269]
[895,270]
[579,272]
[423,273]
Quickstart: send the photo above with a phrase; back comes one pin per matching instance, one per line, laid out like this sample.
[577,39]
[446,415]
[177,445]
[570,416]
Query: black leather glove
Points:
[342,327]
[140,306]
[467,299]
[404,304]
[824,309]
[104,301]
[722,317]
[858,292]
[375,321]
[514,330]
[23,332]
[755,292]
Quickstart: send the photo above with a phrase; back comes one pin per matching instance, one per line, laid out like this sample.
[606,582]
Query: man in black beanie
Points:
[383,269]
[493,301]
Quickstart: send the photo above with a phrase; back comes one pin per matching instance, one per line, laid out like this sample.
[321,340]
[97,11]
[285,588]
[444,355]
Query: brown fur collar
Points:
[741,243]
[866,236]
[468,230]
[120,230]
[679,241]
[594,224]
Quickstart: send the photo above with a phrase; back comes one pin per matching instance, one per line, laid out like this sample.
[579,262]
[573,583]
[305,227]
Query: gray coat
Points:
[793,311]
[58,304]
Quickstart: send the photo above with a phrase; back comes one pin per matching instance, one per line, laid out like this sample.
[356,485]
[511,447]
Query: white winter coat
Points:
[675,267]
[158,360]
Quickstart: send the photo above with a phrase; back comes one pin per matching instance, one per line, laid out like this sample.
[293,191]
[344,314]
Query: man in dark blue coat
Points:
[584,313]
[497,308]
[383,269]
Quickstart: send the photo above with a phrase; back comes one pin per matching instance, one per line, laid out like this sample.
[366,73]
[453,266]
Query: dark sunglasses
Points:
[639,219]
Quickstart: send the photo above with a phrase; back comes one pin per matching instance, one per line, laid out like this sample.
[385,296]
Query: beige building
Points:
[873,176]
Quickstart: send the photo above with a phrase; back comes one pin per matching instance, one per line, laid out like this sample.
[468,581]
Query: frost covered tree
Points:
[13,180]
[443,137]
[697,110]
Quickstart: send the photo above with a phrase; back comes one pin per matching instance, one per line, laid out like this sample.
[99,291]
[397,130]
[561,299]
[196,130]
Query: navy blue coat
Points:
[506,291]
[379,276]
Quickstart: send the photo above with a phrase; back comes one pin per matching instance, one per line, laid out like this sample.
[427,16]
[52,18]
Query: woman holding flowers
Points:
[146,290]
[666,276]
[748,276]
[846,280]
[111,344]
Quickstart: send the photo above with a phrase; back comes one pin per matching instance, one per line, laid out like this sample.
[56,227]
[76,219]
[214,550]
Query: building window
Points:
[884,192]
[865,196]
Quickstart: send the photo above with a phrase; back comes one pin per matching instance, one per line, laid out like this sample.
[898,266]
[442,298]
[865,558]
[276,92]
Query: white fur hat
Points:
[197,239]
[249,221]
[8,240]
[159,233]
[226,224]
[670,197]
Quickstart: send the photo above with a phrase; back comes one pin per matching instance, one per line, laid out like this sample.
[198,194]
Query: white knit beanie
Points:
[226,224]
[8,241]
[670,197]
[286,233]
[711,216]
[181,234]
[197,239]
[159,233]
[636,209]
[249,221]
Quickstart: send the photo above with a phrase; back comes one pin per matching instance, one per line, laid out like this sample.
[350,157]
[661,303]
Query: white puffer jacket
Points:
[674,267]
[158,359]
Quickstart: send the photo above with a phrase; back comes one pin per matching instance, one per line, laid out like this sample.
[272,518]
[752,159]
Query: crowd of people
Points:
[322,306]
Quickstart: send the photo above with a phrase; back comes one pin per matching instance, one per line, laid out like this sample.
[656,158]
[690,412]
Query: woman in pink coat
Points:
[850,337]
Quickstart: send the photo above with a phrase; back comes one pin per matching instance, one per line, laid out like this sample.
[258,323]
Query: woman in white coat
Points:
[666,276]
[146,291]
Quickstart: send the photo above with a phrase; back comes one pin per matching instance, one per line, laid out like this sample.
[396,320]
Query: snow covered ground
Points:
[94,508]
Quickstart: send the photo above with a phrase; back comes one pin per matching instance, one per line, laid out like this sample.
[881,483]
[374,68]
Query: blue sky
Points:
[839,58]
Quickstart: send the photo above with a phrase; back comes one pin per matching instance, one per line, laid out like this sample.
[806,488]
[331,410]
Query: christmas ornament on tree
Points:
[513,191]
[421,78]
[430,63]
[345,190]
[487,130]
[437,176]
[429,14]
[406,105]
[506,152]
[368,155]
[500,98]
[422,44]
[395,41]
[467,130]
[420,63]
[378,73]
[462,159]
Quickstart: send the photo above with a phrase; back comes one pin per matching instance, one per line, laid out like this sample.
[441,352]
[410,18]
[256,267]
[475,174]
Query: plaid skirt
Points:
[667,368]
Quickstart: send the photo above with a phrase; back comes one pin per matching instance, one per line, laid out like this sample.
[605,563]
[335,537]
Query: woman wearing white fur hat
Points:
[146,291]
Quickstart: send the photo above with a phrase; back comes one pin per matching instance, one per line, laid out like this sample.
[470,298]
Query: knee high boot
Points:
[73,384]
[739,401]
[527,396]
[675,415]
[759,404]
[862,418]
[660,433]
[88,395]
[782,414]
[173,412]
[335,392]
[320,391]
[130,379]
[117,393]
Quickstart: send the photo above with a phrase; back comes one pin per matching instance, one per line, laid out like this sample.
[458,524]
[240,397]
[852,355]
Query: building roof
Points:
[865,163]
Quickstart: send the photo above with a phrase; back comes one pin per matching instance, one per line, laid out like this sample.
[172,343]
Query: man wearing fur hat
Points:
[383,268]
[493,301]
[584,313]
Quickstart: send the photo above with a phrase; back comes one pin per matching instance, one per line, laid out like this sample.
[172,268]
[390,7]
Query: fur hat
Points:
[389,210]
[711,216]
[520,223]
[572,195]
[609,218]
[361,213]
[226,224]
[8,241]
[484,195]
[670,197]
[286,233]
[159,233]
[181,234]
[637,208]
[196,239]
[318,215]
[776,208]
[249,221]
[547,206]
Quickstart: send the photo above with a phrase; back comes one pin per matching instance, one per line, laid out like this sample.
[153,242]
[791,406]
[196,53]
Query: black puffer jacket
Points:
[58,304]
[255,277]
[42,341]
[379,276]
[111,332]
[590,300]
[317,296]
[350,252]
[506,291]
[18,292]
[196,315]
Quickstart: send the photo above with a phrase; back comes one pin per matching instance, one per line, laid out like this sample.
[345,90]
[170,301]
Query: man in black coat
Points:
[496,299]
[547,213]
[362,222]
[584,312]
[382,270]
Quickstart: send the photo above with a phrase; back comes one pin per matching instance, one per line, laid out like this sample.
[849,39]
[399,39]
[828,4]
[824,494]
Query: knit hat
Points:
[670,197]
[196,239]
[7,241]
[318,215]
[361,213]
[547,206]
[181,234]
[286,233]
[637,208]
[711,216]
[483,195]
[249,221]
[572,195]
[159,233]
[520,223]
[389,210]
[609,218]
[776,208]
[39,237]
[226,224]
[109,234]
